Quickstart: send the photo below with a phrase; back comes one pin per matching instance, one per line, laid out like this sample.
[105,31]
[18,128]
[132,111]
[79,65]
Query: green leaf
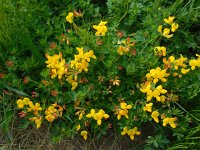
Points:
[155,144]
[45,72]
[130,69]
[72,95]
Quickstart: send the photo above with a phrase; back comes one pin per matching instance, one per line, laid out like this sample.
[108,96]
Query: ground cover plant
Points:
[91,70]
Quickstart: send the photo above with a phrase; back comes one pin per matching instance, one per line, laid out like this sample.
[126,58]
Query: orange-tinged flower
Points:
[50,118]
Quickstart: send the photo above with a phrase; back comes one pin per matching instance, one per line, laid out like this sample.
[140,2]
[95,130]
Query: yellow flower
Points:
[26,101]
[125,106]
[162,98]
[174,27]
[195,62]
[160,28]
[180,62]
[132,132]
[74,85]
[148,107]
[101,114]
[84,134]
[155,115]
[184,71]
[170,121]
[81,60]
[160,50]
[57,65]
[78,127]
[50,118]
[91,114]
[37,120]
[80,114]
[125,131]
[52,112]
[70,17]
[166,33]
[123,111]
[101,28]
[20,104]
[157,74]
[169,20]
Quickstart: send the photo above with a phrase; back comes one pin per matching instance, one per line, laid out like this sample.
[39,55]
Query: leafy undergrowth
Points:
[87,75]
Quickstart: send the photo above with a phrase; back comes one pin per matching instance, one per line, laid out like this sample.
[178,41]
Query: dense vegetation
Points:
[88,70]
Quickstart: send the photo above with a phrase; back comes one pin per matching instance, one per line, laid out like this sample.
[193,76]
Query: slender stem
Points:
[187,112]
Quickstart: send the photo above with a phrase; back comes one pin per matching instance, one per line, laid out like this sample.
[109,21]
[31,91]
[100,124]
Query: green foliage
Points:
[33,31]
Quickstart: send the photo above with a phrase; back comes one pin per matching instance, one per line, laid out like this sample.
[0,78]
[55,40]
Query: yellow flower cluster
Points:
[154,92]
[30,107]
[166,32]
[125,47]
[175,64]
[54,111]
[57,65]
[101,28]
[98,116]
[195,62]
[157,74]
[81,60]
[160,51]
[123,111]
[34,108]
[21,103]
[170,121]
[131,132]
[70,17]
[59,68]
[79,64]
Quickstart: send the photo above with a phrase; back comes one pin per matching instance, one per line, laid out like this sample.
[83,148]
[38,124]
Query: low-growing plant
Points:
[106,82]
[97,78]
